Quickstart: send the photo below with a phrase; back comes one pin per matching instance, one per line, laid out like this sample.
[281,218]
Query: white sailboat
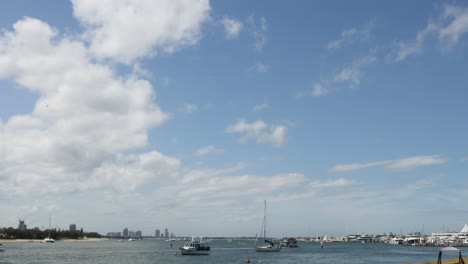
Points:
[265,245]
[48,239]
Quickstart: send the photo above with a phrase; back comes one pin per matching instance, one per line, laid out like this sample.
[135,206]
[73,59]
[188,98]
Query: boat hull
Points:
[267,249]
[194,252]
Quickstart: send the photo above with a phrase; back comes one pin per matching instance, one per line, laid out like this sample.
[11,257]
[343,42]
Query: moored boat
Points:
[195,247]
[268,245]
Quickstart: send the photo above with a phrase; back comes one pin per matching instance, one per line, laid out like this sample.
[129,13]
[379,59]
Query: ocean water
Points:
[222,251]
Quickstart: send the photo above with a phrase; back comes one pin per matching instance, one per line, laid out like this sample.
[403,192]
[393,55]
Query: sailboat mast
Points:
[264,221]
[49,224]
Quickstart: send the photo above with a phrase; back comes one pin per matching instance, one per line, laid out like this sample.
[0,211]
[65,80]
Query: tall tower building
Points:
[157,233]
[73,227]
[125,232]
[166,233]
[22,225]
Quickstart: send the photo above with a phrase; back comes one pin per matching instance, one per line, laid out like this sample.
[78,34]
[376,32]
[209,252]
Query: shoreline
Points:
[57,241]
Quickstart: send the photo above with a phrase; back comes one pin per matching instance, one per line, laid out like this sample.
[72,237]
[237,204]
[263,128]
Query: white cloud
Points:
[127,30]
[319,90]
[401,164]
[352,35]
[414,162]
[261,67]
[232,27]
[208,150]
[260,132]
[258,32]
[457,27]
[406,49]
[260,107]
[84,118]
[448,28]
[332,183]
[190,108]
[350,76]
[422,184]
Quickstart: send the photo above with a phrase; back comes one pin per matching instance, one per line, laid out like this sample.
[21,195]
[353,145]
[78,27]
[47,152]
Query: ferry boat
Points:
[195,247]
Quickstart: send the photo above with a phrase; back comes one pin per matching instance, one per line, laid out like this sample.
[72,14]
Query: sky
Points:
[345,116]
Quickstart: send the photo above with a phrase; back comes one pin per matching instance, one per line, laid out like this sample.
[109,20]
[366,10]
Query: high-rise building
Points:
[22,225]
[166,233]
[157,233]
[73,227]
[125,232]
[138,233]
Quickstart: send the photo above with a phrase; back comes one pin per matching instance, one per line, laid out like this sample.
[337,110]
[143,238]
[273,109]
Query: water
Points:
[222,251]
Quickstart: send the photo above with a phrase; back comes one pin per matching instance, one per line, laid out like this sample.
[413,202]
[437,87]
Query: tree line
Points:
[13,233]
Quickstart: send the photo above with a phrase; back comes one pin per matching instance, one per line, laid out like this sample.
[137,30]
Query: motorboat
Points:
[289,242]
[48,240]
[195,247]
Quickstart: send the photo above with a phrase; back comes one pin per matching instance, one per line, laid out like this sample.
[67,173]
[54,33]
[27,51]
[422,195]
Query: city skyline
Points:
[187,115]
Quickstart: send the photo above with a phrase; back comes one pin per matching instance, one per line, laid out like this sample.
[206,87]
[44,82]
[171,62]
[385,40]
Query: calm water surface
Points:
[222,251]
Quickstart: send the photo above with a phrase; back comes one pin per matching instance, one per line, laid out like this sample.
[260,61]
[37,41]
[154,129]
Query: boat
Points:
[48,239]
[396,241]
[266,245]
[195,247]
[289,242]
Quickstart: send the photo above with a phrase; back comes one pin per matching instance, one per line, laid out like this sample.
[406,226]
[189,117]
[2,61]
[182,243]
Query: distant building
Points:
[72,227]
[125,232]
[166,233]
[114,234]
[138,234]
[22,225]
[157,233]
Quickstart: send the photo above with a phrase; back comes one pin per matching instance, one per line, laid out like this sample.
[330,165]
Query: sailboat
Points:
[48,239]
[265,245]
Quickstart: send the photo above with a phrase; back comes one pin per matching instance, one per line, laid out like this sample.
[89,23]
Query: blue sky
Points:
[188,114]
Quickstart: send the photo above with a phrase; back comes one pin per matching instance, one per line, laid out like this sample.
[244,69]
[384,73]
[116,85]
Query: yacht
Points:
[289,242]
[266,245]
[48,239]
[195,247]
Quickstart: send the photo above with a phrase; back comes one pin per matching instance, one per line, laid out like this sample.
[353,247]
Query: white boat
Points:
[48,239]
[266,245]
[195,247]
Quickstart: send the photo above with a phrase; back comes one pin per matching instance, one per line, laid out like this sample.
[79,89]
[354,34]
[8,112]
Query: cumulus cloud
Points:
[260,132]
[208,150]
[401,164]
[351,35]
[132,29]
[83,119]
[232,27]
[448,28]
